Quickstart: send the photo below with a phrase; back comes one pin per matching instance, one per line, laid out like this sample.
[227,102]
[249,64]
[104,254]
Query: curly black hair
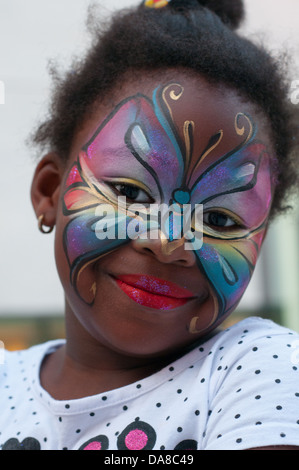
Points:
[199,35]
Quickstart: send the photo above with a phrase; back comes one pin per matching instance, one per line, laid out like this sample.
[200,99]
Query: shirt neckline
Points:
[112,397]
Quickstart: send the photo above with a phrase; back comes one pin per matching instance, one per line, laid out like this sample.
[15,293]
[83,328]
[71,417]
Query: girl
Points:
[170,109]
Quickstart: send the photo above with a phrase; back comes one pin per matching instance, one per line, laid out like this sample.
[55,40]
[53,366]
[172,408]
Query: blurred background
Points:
[34,32]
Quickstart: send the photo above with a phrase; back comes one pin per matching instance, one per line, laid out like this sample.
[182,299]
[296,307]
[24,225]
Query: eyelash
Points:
[236,223]
[115,186]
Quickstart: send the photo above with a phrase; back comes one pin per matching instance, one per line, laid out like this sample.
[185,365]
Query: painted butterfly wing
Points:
[134,138]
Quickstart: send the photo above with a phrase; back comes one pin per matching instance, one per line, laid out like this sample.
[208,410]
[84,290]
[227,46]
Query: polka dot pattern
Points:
[238,390]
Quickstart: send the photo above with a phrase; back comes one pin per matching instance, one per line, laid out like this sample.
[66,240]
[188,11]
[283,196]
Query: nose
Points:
[165,251]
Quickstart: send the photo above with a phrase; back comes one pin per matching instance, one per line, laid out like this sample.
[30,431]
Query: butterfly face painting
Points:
[150,148]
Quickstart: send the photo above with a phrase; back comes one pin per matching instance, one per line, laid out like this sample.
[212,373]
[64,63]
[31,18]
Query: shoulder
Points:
[254,387]
[18,366]
[260,336]
[256,347]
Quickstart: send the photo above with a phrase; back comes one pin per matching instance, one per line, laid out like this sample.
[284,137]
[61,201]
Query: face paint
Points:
[143,137]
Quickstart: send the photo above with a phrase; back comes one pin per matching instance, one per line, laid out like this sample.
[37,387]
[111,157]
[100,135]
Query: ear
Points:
[45,188]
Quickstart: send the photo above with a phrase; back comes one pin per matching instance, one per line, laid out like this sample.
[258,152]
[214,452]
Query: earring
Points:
[156,3]
[41,226]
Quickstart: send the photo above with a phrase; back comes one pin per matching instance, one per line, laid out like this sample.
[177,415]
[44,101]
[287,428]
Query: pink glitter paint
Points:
[136,440]
[93,446]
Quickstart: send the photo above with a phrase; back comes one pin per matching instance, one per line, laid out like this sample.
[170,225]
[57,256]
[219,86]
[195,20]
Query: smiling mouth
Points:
[153,292]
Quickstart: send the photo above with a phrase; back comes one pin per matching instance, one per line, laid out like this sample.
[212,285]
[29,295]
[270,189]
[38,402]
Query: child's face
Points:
[175,141]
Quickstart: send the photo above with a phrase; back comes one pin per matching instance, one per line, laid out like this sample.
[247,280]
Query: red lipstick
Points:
[153,292]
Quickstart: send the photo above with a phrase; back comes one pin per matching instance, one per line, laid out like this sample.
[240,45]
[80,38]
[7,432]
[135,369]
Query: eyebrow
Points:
[119,152]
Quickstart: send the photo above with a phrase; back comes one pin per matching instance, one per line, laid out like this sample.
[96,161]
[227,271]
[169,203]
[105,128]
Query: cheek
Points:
[229,266]
[83,249]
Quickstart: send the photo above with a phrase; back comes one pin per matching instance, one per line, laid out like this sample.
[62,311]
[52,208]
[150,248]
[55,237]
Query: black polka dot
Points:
[67,406]
[257,397]
[278,381]
[158,405]
[279,407]
[238,441]
[257,372]
[179,429]
[237,416]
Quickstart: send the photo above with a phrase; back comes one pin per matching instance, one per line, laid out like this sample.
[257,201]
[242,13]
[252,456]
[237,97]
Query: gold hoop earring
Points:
[41,225]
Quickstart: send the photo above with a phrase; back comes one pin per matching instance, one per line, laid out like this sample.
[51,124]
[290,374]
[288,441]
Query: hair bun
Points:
[231,12]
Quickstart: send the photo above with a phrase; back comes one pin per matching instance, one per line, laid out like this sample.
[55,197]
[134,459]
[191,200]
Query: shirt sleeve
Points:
[254,402]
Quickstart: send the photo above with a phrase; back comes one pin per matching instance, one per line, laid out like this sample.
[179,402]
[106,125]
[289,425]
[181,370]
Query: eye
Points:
[220,220]
[132,192]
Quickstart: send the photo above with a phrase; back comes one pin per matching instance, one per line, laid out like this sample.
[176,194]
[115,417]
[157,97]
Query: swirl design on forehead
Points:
[164,152]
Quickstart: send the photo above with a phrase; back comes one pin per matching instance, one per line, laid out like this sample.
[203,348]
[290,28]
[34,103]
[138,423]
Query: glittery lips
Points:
[153,292]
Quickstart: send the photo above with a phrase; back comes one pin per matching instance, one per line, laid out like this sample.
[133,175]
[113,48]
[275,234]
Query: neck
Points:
[86,366]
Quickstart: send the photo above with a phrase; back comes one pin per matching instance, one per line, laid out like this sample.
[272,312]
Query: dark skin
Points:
[105,350]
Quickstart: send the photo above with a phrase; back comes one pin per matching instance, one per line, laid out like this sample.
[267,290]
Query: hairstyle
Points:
[199,36]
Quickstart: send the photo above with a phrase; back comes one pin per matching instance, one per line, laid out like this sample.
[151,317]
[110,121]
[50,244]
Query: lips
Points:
[153,292]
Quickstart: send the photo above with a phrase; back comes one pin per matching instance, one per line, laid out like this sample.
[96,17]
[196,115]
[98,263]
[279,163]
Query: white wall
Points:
[31,33]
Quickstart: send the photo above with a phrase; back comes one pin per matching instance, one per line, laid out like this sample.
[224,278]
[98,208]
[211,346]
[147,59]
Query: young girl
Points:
[169,108]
